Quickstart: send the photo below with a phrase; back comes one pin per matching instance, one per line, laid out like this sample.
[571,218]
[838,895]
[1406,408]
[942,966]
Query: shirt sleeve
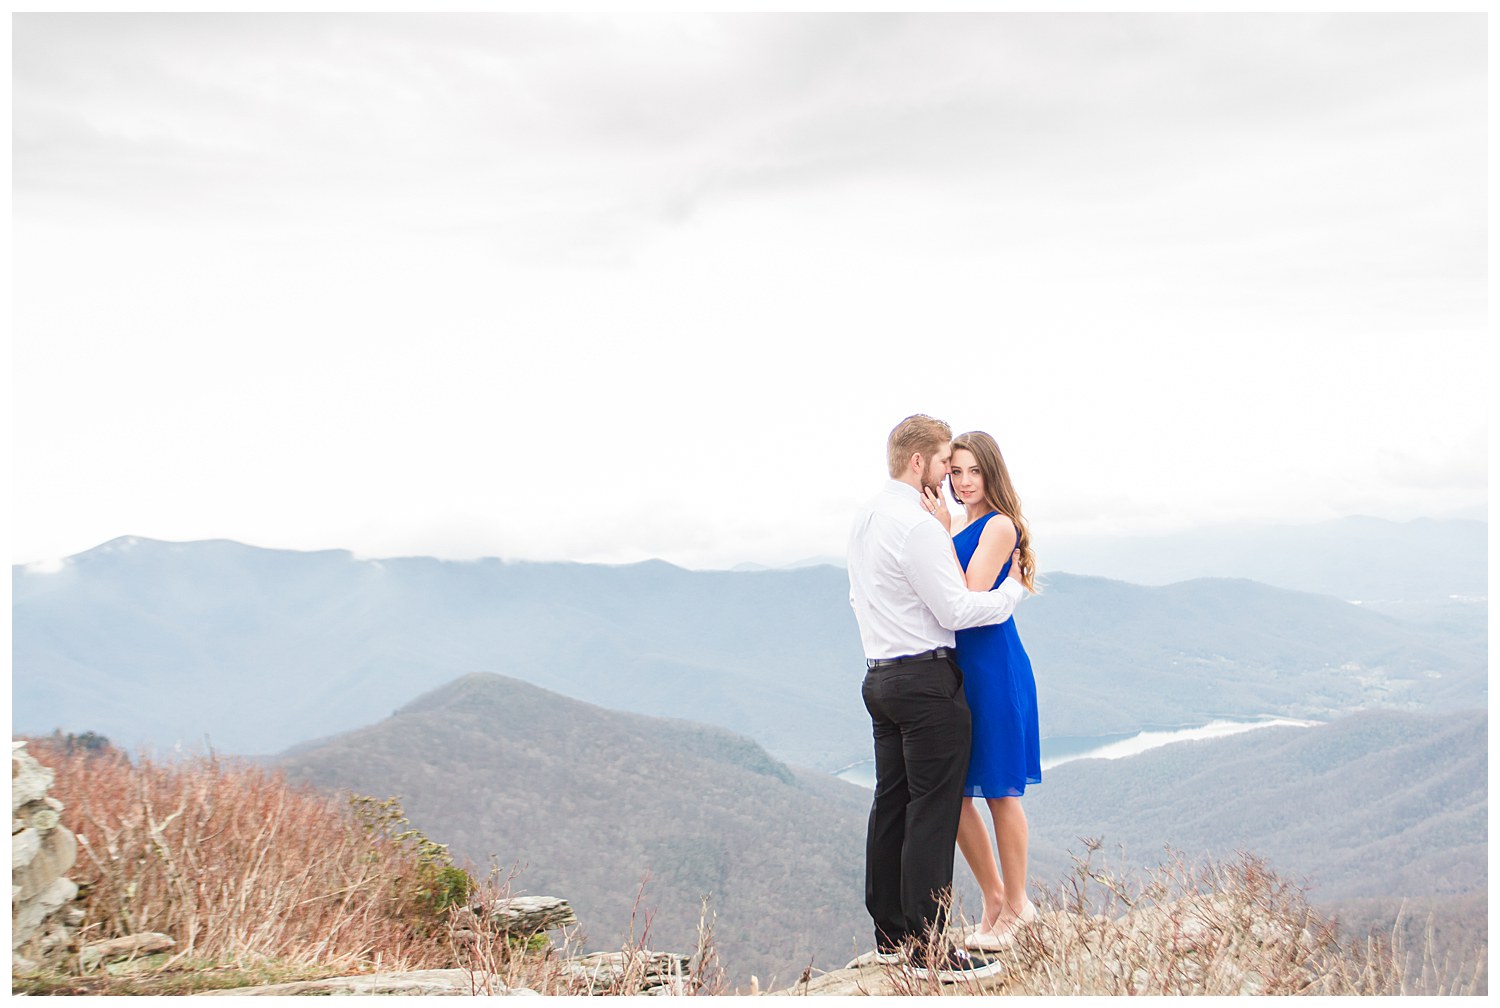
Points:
[933,571]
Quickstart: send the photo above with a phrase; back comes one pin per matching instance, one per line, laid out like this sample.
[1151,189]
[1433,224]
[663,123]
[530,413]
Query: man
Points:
[908,594]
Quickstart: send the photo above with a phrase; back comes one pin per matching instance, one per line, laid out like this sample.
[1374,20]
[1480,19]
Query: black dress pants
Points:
[922,736]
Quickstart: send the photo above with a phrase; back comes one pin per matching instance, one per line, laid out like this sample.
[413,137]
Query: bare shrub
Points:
[275,880]
[1229,927]
[1214,928]
[238,865]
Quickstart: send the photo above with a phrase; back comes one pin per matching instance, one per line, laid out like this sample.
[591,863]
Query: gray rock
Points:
[672,988]
[29,780]
[43,818]
[28,917]
[527,915]
[122,948]
[57,851]
[41,851]
[871,980]
[23,847]
[430,983]
[56,937]
[601,971]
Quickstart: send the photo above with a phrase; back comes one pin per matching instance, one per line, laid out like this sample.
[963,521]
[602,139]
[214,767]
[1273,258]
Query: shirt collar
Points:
[906,490]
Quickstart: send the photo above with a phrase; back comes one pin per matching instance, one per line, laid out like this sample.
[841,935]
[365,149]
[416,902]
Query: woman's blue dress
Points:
[1006,754]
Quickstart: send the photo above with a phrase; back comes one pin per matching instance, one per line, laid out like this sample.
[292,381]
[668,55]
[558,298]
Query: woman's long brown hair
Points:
[999,494]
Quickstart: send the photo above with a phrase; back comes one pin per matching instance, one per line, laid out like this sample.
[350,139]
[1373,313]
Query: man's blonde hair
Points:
[916,435]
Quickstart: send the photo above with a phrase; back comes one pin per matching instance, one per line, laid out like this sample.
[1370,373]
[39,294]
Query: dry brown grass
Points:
[260,880]
[236,864]
[1227,928]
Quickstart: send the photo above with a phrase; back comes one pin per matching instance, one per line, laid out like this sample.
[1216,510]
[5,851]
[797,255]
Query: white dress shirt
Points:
[905,583]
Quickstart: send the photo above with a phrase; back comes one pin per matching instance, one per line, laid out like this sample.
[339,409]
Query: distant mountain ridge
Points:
[258,649]
[1356,558]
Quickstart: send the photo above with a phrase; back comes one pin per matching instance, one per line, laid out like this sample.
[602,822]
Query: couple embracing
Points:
[950,694]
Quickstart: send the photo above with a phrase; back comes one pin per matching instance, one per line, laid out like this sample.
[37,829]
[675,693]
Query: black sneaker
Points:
[959,964]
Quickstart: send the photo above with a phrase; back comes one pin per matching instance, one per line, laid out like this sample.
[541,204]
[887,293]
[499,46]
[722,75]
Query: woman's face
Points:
[963,473]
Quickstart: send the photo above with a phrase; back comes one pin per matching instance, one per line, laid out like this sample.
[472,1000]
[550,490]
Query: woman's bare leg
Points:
[1011,835]
[974,843]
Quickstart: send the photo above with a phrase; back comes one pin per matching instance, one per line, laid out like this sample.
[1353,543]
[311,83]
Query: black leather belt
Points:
[935,653]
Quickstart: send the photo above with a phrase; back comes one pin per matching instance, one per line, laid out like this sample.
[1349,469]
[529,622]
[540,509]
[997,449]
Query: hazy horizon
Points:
[51,563]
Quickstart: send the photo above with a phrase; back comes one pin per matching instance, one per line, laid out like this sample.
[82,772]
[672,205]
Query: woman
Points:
[1006,754]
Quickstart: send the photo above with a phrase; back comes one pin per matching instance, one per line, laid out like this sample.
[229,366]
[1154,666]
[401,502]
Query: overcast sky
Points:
[607,288]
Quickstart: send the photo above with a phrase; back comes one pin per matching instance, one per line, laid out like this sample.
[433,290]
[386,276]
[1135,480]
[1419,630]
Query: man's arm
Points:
[929,564]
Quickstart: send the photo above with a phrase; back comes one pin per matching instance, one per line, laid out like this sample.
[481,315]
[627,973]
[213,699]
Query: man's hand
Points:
[937,508]
[1015,566]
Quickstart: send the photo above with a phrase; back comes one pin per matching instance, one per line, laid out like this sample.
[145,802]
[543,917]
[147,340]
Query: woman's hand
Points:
[935,507]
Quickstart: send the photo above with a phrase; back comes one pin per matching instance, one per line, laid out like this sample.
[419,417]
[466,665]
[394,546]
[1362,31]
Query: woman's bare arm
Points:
[995,545]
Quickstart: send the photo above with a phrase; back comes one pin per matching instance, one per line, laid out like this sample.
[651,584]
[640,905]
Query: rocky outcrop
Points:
[651,972]
[1207,944]
[42,851]
[525,915]
[598,973]
[870,980]
[430,983]
[519,916]
[130,947]
[638,971]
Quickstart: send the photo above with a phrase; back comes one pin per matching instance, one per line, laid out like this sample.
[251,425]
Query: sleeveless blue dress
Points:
[1006,755]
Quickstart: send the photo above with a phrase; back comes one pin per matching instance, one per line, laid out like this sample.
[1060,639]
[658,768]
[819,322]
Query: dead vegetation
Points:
[1226,929]
[261,881]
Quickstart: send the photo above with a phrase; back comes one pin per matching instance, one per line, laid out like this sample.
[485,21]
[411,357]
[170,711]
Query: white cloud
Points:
[606,288]
[52,565]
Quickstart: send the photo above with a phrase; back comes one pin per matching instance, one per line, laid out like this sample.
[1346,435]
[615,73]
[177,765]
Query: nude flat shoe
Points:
[985,940]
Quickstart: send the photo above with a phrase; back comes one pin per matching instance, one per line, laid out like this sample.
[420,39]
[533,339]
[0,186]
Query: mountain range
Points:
[1357,558]
[253,649]
[600,726]
[1367,811]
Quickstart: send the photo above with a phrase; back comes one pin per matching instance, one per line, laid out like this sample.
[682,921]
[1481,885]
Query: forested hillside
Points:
[588,804]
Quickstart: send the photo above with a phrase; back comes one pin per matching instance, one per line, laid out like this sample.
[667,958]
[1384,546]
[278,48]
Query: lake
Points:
[1064,749]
